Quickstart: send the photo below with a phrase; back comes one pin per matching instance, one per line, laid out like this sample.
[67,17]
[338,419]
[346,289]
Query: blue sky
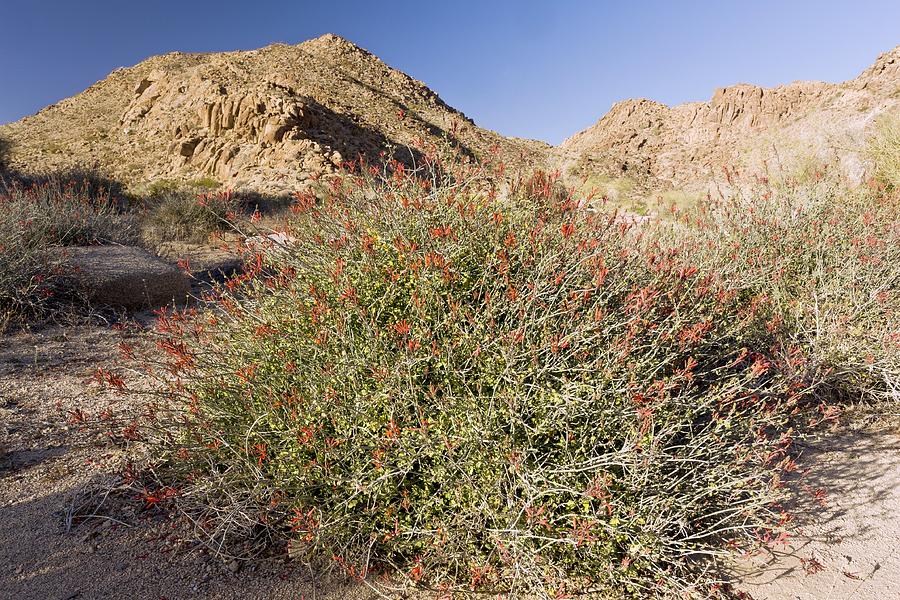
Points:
[533,69]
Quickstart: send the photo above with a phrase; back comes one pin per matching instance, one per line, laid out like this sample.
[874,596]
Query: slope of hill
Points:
[264,119]
[787,128]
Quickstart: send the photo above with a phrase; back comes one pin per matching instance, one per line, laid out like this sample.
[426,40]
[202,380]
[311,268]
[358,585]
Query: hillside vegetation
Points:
[38,219]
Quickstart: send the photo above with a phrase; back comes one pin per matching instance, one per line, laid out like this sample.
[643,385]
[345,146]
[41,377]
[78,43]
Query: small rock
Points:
[234,566]
[277,240]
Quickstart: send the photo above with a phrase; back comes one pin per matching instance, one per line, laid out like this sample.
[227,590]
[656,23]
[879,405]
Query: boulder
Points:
[276,242]
[125,277]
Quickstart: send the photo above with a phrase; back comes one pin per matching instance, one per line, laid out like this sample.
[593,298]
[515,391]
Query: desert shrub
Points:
[4,155]
[884,150]
[205,183]
[164,187]
[827,257]
[485,394]
[190,217]
[40,215]
[67,209]
[26,272]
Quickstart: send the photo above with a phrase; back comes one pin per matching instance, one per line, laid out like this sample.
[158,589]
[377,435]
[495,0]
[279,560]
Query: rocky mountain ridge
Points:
[267,120]
[273,119]
[743,126]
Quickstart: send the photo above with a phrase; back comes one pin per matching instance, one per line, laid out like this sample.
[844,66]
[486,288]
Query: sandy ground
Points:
[848,546]
[46,462]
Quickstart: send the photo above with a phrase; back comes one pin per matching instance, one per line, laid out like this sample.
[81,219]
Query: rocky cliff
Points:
[271,119]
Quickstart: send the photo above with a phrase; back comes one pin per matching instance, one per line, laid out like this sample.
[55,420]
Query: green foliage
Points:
[487,394]
[166,187]
[161,187]
[205,183]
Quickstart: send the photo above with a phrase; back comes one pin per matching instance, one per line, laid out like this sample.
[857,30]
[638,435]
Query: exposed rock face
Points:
[125,277]
[263,127]
[743,126]
[204,262]
[266,120]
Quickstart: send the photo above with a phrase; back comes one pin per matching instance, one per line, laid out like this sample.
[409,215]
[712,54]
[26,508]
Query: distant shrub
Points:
[205,183]
[38,216]
[489,394]
[827,257]
[190,217]
[4,158]
[884,150]
[164,187]
[161,187]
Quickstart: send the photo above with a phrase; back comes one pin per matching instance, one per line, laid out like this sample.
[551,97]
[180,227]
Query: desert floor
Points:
[847,545]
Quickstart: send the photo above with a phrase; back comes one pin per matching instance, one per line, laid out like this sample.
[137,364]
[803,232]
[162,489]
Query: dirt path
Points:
[848,549]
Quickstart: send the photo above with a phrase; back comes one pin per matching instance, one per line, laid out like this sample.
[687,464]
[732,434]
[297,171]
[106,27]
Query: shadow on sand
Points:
[846,509]
[134,556]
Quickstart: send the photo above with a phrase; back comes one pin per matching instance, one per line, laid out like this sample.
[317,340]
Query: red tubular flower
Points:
[417,572]
[401,327]
[261,453]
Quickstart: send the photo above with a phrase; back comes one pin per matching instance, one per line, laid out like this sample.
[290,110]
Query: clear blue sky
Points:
[532,69]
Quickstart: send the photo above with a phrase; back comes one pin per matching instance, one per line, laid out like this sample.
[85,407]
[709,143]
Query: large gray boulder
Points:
[124,276]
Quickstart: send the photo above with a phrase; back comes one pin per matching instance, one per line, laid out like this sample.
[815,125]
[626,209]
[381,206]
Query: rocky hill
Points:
[271,119]
[744,126]
[265,120]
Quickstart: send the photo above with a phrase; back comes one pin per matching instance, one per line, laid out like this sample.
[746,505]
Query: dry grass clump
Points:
[518,395]
[37,217]
[884,150]
[183,216]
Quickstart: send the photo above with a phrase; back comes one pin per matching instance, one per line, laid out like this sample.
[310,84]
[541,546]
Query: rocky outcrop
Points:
[743,126]
[276,119]
[227,134]
[881,78]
